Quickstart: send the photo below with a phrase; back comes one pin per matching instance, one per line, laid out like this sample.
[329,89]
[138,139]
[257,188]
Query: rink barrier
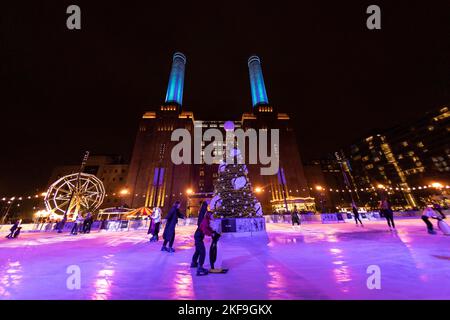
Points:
[126,225]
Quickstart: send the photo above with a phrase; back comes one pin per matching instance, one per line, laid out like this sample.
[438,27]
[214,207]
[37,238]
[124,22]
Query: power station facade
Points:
[154,180]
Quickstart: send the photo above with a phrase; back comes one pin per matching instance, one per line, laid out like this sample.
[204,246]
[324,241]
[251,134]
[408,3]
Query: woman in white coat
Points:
[155,225]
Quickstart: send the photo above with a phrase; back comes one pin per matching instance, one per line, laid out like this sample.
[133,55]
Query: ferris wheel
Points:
[74,193]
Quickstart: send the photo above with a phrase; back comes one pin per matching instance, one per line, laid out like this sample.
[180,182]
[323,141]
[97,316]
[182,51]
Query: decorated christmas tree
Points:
[233,194]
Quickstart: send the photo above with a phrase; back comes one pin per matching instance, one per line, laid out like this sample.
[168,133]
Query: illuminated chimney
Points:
[259,94]
[176,80]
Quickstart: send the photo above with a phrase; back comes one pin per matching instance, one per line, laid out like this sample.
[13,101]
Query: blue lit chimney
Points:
[259,94]
[176,80]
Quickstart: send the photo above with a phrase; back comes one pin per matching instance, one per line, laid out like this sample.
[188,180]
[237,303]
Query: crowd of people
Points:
[432,211]
[206,227]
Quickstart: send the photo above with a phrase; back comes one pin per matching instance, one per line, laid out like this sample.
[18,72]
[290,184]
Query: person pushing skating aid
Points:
[206,228]
[198,259]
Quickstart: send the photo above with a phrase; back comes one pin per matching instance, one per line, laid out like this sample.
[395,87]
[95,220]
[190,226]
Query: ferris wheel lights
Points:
[75,193]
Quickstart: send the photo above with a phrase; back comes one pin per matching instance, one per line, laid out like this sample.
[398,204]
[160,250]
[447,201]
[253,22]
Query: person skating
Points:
[207,229]
[386,210]
[13,229]
[427,214]
[155,224]
[87,223]
[17,232]
[198,259]
[295,217]
[356,214]
[76,224]
[171,223]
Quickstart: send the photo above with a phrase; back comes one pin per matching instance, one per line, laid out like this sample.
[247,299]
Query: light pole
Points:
[346,181]
[189,192]
[321,198]
[9,204]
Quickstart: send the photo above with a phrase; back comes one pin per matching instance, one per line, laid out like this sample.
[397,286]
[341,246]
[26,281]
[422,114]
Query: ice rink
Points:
[317,261]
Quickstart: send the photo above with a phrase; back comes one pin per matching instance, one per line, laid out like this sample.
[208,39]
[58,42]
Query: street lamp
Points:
[124,192]
[258,189]
[321,197]
[437,185]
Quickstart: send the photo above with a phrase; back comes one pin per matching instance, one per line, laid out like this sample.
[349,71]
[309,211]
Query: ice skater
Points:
[76,224]
[295,217]
[198,259]
[386,210]
[207,229]
[356,214]
[155,224]
[87,223]
[15,227]
[171,223]
[427,214]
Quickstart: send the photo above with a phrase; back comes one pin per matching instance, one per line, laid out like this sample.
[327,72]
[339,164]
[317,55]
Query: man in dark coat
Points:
[169,230]
[295,216]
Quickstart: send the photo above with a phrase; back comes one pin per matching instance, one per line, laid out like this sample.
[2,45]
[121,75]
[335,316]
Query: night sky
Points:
[64,91]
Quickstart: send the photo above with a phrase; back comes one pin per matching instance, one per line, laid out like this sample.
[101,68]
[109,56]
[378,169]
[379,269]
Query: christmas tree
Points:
[233,194]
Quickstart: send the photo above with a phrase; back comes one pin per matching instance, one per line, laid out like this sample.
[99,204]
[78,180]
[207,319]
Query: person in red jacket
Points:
[200,252]
[207,230]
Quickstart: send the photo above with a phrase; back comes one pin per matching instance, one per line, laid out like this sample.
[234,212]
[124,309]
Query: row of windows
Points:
[114,171]
[111,179]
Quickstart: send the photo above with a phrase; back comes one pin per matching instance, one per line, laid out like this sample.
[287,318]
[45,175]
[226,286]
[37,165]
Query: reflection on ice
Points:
[103,282]
[10,278]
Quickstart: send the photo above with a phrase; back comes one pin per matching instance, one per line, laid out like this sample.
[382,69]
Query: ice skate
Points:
[202,271]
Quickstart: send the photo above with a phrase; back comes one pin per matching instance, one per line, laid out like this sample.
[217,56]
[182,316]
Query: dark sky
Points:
[66,91]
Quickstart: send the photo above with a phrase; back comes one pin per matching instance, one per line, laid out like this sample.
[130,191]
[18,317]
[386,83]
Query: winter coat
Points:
[172,220]
[205,225]
[295,216]
[430,213]
[15,226]
[201,215]
[156,215]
